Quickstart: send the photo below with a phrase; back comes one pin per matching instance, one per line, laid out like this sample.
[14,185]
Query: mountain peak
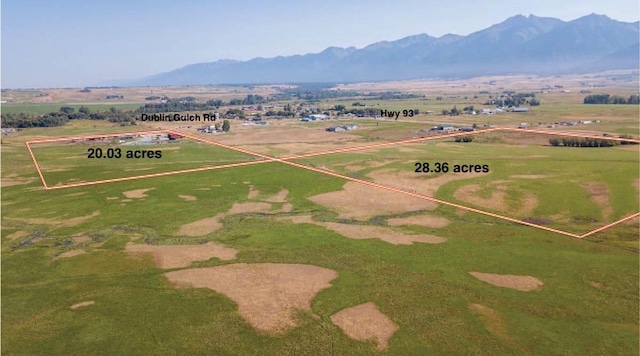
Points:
[520,44]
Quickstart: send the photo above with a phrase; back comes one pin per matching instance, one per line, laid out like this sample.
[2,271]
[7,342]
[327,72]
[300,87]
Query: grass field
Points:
[65,163]
[71,284]
[55,107]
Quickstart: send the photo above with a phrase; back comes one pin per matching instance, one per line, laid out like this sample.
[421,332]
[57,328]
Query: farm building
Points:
[446,128]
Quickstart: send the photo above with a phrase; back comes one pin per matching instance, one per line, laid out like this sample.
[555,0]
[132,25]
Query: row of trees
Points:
[514,99]
[177,105]
[582,142]
[249,100]
[464,138]
[611,99]
[61,117]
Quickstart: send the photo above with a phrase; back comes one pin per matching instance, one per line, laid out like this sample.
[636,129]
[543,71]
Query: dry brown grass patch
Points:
[521,283]
[253,192]
[14,179]
[361,202]
[423,184]
[279,197]
[497,199]
[364,322]
[57,221]
[137,193]
[71,253]
[188,197]
[363,232]
[495,324]
[420,220]
[201,227]
[17,235]
[531,176]
[599,194]
[80,219]
[183,255]
[82,304]
[267,294]
[242,208]
[80,238]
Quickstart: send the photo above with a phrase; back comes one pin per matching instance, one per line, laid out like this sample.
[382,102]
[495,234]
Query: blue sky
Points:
[72,43]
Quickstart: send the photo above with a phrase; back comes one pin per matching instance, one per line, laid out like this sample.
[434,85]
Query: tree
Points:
[226,126]
[67,109]
[85,110]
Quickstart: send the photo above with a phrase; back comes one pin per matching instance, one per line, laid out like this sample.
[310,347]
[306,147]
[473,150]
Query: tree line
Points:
[588,142]
[611,99]
[61,117]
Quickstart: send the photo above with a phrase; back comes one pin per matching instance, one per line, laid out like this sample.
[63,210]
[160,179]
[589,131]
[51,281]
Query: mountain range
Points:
[519,45]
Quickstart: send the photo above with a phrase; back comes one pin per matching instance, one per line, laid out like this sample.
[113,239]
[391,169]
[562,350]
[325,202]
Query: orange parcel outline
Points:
[286,160]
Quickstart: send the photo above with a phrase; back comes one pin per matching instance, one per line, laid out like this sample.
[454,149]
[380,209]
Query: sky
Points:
[77,43]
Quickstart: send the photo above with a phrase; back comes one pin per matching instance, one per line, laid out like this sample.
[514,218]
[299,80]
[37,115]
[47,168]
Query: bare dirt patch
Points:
[17,235]
[188,197]
[521,283]
[71,253]
[201,227]
[279,197]
[361,202]
[364,322]
[137,193]
[599,194]
[267,294]
[183,255]
[420,220]
[83,304]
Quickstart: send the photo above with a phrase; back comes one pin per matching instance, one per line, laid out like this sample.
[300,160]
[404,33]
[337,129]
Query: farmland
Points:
[272,258]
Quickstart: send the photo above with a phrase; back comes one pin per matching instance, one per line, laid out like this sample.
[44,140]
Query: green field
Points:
[559,189]
[49,108]
[66,163]
[587,304]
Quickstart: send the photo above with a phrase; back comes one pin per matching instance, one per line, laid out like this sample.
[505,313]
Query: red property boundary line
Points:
[285,160]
